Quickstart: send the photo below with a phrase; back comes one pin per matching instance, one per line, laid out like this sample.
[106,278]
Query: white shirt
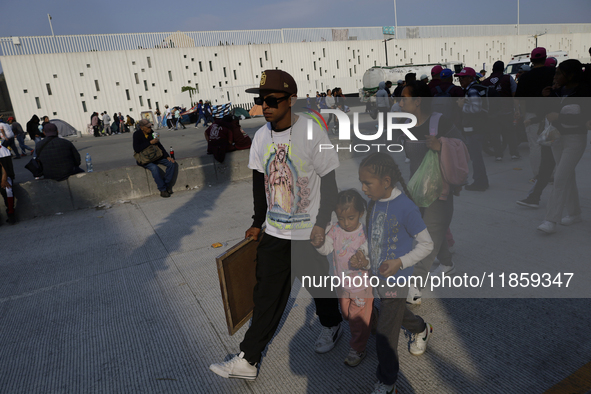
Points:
[7,130]
[292,180]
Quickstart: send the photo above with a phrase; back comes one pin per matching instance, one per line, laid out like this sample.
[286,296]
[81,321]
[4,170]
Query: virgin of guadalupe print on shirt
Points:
[287,193]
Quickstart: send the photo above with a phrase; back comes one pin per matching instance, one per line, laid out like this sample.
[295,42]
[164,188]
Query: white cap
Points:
[424,76]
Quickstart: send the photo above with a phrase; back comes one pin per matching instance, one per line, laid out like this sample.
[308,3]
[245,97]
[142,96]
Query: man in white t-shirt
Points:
[168,117]
[107,123]
[295,191]
[7,137]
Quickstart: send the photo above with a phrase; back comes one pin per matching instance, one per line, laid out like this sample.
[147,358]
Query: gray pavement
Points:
[127,299]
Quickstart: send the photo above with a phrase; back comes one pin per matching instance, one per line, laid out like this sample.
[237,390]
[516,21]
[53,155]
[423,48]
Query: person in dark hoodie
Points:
[33,129]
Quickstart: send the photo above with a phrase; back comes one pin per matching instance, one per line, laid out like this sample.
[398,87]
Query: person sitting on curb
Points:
[59,157]
[225,135]
[142,139]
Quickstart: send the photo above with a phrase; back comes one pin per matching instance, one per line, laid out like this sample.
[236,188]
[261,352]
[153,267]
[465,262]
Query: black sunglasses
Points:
[271,101]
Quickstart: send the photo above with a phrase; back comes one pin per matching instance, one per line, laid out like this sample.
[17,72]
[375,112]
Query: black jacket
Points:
[140,142]
[59,158]
[33,128]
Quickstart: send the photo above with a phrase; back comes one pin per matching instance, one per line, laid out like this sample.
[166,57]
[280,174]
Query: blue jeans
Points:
[201,116]
[162,184]
[474,142]
[21,142]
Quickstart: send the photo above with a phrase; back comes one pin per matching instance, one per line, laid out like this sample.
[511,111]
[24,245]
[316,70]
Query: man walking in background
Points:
[19,134]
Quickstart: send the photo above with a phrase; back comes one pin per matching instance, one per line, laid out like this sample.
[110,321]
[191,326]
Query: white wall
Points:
[115,70]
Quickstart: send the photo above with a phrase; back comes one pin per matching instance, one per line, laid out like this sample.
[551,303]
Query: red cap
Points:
[538,53]
[550,62]
[466,72]
[11,119]
[436,70]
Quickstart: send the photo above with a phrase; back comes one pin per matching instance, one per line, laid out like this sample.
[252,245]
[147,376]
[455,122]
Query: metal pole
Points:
[517,17]
[386,48]
[49,17]
[395,21]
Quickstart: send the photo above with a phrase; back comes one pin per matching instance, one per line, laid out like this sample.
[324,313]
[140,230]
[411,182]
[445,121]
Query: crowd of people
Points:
[331,99]
[103,125]
[172,117]
[400,235]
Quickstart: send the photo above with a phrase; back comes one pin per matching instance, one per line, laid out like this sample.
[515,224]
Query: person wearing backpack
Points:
[443,93]
[502,123]
[474,121]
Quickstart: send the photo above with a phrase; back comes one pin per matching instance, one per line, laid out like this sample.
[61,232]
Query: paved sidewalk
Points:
[127,300]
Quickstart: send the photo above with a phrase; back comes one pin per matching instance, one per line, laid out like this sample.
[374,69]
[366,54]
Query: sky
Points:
[116,16]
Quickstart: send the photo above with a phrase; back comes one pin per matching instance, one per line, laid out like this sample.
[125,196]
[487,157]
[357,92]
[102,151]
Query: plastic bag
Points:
[426,184]
[549,136]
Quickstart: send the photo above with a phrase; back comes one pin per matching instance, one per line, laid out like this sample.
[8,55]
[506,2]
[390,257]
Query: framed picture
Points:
[237,275]
[149,115]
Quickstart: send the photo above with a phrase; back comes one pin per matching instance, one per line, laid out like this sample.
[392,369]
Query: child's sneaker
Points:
[418,342]
[354,358]
[414,296]
[328,338]
[382,388]
[237,367]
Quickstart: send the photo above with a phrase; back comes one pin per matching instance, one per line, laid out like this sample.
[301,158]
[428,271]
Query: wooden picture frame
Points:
[237,275]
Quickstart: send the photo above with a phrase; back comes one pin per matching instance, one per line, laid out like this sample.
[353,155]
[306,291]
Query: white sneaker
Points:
[568,220]
[447,269]
[237,368]
[418,342]
[414,296]
[547,227]
[354,358]
[382,388]
[329,336]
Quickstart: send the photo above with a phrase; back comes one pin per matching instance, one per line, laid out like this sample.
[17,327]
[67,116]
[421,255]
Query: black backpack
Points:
[442,101]
[490,107]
